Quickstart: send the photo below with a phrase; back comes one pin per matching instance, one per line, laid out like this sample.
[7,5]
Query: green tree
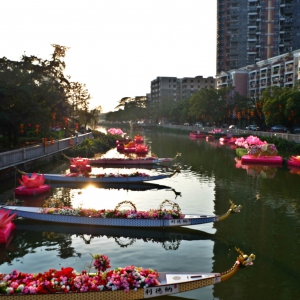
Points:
[274,105]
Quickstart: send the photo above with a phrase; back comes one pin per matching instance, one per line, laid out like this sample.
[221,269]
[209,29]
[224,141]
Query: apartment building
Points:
[249,31]
[173,88]
[282,70]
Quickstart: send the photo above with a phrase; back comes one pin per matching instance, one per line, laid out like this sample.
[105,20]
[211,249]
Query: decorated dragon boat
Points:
[130,282]
[103,177]
[197,135]
[160,217]
[6,225]
[149,160]
[32,185]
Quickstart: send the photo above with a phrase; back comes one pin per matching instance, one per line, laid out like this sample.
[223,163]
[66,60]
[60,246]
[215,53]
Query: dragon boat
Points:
[197,135]
[66,284]
[103,177]
[6,225]
[160,217]
[149,160]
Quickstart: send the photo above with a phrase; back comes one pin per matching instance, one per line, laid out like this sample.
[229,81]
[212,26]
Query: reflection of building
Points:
[172,88]
[249,31]
[252,80]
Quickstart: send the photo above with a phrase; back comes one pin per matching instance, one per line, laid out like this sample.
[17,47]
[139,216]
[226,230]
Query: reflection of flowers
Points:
[257,170]
[34,181]
[66,280]
[295,171]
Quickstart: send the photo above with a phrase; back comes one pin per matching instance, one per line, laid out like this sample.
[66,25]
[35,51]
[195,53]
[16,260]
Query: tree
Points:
[33,92]
[133,108]
[274,105]
[206,105]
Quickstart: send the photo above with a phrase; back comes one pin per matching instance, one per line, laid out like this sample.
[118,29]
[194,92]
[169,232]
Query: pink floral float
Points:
[6,226]
[32,185]
[80,164]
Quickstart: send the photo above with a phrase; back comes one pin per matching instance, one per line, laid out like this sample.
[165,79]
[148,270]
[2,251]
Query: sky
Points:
[117,47]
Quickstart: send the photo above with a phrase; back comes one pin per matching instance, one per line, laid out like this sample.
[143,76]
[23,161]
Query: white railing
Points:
[287,136]
[23,155]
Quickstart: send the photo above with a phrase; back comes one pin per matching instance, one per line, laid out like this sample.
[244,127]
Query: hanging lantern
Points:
[21,128]
[37,128]
[76,126]
[66,121]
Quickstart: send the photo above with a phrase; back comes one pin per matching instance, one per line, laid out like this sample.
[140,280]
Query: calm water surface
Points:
[268,224]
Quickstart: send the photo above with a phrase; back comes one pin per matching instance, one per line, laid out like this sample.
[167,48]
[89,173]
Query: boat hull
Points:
[32,213]
[127,179]
[248,159]
[141,293]
[197,135]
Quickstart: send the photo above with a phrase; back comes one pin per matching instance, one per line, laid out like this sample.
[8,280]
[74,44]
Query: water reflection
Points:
[60,238]
[255,170]
[65,192]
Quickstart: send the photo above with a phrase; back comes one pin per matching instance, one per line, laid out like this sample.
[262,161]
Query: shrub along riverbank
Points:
[101,143]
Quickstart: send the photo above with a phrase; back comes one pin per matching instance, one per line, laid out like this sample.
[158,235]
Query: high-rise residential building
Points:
[282,71]
[173,88]
[249,31]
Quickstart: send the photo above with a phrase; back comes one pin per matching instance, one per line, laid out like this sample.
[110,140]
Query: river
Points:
[268,224]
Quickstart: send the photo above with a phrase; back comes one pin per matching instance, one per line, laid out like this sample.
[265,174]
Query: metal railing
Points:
[287,136]
[12,158]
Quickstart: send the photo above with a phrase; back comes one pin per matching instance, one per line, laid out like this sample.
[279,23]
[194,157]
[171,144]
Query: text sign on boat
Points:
[160,290]
[179,222]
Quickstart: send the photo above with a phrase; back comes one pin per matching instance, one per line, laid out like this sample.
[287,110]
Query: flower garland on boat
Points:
[103,175]
[67,280]
[54,206]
